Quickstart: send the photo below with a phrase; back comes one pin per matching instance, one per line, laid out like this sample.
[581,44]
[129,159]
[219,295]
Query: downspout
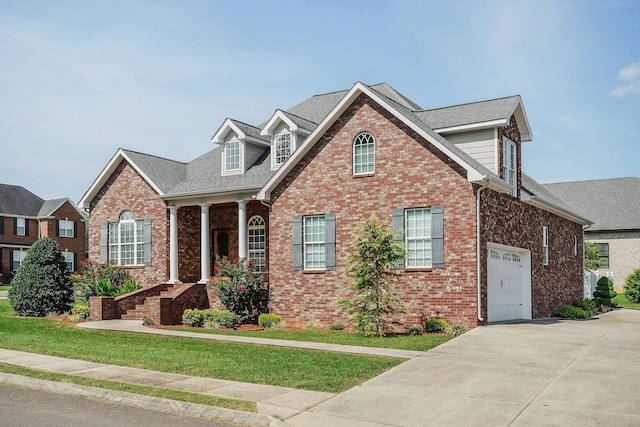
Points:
[478,264]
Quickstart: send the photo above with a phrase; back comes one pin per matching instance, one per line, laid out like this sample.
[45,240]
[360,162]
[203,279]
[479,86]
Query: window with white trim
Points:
[603,254]
[69,258]
[126,240]
[545,245]
[21,226]
[65,228]
[256,244]
[510,164]
[282,147]
[314,242]
[232,155]
[364,148]
[418,237]
[17,259]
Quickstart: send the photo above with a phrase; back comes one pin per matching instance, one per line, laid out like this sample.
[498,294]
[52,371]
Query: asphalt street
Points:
[22,407]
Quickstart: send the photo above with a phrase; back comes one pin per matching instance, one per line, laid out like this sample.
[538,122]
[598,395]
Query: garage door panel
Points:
[505,286]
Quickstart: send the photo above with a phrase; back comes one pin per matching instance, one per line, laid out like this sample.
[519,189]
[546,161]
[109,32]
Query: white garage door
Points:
[507,298]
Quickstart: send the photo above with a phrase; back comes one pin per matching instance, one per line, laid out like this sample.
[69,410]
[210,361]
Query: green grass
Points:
[201,399]
[4,288]
[623,302]
[399,342]
[303,369]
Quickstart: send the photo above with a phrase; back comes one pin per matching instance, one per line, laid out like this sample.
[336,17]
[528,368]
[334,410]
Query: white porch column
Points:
[205,256]
[173,244]
[242,229]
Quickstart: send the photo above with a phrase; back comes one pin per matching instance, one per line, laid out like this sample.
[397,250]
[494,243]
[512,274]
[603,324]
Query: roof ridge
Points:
[468,103]
[241,122]
[152,155]
[295,115]
[593,180]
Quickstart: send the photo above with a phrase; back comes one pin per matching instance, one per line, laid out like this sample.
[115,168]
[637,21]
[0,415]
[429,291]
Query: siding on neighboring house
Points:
[624,254]
[409,173]
[126,190]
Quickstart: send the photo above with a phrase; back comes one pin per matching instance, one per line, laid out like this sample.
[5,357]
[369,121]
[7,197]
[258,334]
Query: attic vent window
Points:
[282,147]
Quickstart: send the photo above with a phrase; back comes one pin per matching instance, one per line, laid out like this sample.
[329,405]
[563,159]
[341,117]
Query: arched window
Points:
[127,240]
[364,150]
[257,243]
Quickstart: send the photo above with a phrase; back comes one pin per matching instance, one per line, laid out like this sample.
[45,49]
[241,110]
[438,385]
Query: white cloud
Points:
[631,77]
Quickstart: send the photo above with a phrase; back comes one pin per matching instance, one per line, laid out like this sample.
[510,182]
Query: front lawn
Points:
[623,302]
[399,342]
[4,288]
[304,369]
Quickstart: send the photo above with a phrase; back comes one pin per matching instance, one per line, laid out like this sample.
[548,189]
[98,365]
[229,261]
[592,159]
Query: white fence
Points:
[590,281]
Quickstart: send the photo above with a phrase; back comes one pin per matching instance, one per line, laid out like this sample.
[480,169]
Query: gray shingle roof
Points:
[475,112]
[612,204]
[50,206]
[164,173]
[17,200]
[250,130]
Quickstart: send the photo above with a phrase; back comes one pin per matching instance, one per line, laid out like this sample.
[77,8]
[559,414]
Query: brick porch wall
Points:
[409,173]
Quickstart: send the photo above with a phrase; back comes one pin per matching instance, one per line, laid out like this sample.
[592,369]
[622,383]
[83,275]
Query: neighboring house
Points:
[25,217]
[614,207]
[485,241]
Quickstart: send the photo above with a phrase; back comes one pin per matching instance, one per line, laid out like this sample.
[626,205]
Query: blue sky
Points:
[80,79]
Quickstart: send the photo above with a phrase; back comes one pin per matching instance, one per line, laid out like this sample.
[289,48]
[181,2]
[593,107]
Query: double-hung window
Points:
[421,232]
[314,242]
[66,228]
[21,226]
[603,254]
[257,240]
[509,164]
[283,146]
[364,148]
[129,240]
[232,155]
[545,245]
[69,258]
[17,257]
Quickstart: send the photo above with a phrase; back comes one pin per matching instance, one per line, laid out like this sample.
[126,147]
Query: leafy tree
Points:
[371,266]
[42,284]
[591,257]
[632,286]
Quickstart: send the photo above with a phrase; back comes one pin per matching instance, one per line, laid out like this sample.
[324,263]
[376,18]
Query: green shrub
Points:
[571,312]
[336,327]
[148,321]
[224,318]
[211,324]
[604,292]
[103,280]
[268,320]
[436,326]
[456,330]
[240,289]
[414,330]
[632,287]
[589,306]
[81,310]
[193,317]
[42,285]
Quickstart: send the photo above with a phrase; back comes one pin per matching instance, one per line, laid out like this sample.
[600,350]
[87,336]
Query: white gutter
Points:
[478,264]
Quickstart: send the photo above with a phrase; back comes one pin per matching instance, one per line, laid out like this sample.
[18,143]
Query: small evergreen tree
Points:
[604,292]
[591,256]
[371,266]
[42,284]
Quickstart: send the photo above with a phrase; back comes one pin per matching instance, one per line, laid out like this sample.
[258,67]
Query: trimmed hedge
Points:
[267,320]
[198,318]
[436,326]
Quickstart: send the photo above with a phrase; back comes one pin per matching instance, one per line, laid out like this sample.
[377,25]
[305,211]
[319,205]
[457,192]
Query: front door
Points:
[220,244]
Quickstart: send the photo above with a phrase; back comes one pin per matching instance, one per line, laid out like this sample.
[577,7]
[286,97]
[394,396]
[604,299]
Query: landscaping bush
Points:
[81,310]
[436,326]
[267,320]
[456,330]
[240,289]
[105,280]
[632,287]
[42,284]
[414,330]
[589,306]
[200,318]
[193,317]
[571,312]
[604,292]
[336,327]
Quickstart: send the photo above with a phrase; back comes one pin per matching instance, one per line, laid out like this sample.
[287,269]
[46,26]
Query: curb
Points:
[156,403]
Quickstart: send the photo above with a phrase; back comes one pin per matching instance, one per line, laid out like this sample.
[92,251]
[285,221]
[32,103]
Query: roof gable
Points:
[242,131]
[293,122]
[17,200]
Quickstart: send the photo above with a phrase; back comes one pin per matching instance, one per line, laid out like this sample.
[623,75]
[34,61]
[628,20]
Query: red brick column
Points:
[102,308]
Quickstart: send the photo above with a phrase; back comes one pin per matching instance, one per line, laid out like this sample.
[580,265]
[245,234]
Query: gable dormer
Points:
[286,132]
[241,146]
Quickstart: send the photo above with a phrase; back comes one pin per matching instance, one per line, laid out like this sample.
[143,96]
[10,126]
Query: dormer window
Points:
[509,164]
[232,156]
[282,147]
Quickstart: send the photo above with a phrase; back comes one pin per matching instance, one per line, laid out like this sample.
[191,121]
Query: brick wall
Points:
[76,244]
[126,190]
[508,221]
[409,173]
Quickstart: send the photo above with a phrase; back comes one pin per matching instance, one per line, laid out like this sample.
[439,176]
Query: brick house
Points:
[25,217]
[485,241]
[614,206]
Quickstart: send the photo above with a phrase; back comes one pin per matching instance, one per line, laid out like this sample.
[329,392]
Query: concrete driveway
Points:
[547,372]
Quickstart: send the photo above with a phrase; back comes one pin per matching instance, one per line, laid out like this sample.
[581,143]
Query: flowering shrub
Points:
[240,289]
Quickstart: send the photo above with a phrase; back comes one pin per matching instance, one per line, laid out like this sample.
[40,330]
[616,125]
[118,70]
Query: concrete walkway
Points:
[548,372]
